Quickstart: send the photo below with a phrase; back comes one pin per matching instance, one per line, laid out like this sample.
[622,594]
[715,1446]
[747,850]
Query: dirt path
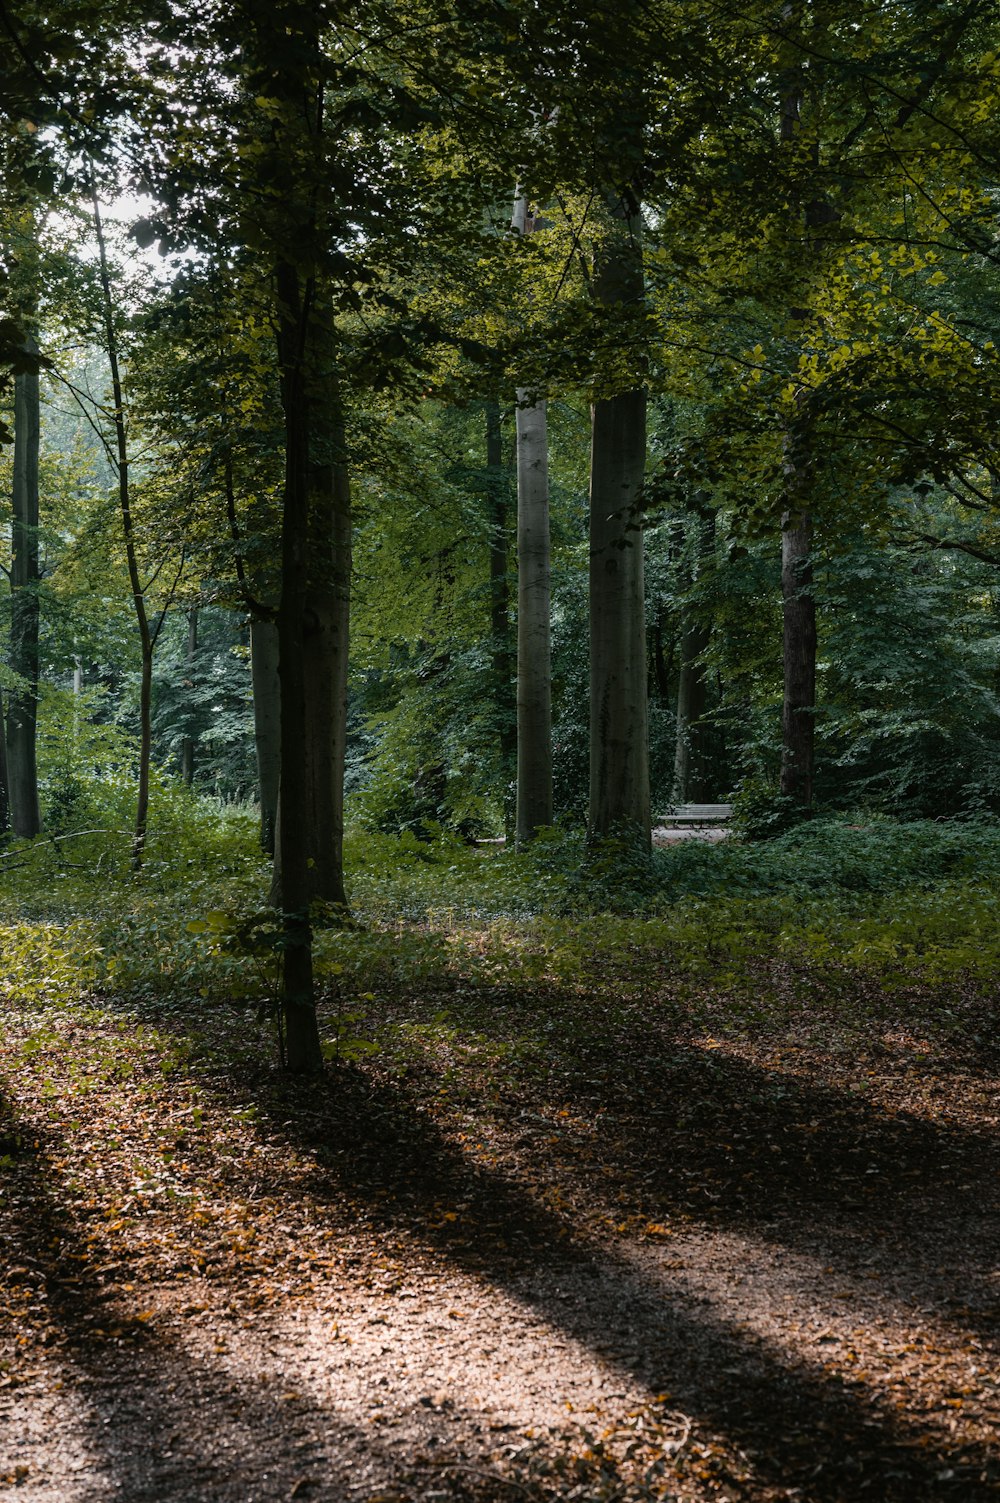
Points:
[721,1271]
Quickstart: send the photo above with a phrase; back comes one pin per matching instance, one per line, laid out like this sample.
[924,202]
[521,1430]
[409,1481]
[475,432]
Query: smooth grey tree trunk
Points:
[534,588]
[689,757]
[798,711]
[534,667]
[502,655]
[266,724]
[619,751]
[799,652]
[22,709]
[689,778]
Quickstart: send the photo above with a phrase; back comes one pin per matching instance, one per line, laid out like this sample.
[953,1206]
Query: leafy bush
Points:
[760,811]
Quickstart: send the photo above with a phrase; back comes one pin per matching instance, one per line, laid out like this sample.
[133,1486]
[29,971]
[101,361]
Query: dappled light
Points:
[546,1236]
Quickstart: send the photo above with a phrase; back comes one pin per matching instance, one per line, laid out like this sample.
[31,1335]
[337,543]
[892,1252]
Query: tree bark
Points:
[291,204]
[146,641]
[798,605]
[689,759]
[4,781]
[619,752]
[534,587]
[534,670]
[22,709]
[267,724]
[799,651]
[322,579]
[689,778]
[500,609]
[301,1033]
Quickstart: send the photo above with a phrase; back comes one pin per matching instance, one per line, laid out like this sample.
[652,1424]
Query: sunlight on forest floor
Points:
[641,1260]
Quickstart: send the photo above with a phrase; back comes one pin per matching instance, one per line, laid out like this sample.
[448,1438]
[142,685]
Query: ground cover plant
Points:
[690,1198]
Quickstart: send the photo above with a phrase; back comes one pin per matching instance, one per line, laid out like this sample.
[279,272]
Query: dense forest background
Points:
[811,200]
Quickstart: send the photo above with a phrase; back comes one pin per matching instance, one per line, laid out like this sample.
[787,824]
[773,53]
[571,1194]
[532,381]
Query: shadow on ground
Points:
[671,1132]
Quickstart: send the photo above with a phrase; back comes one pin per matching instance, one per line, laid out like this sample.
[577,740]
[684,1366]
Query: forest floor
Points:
[587,1240]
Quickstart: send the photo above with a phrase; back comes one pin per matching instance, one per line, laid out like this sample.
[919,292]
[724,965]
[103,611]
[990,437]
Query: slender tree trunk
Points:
[326,649]
[4,782]
[661,666]
[128,534]
[500,608]
[799,644]
[689,782]
[619,752]
[534,587]
[77,695]
[187,744]
[534,671]
[798,604]
[22,711]
[692,686]
[267,724]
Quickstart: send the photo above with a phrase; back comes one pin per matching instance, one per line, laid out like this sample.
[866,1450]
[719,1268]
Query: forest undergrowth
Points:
[718,1126]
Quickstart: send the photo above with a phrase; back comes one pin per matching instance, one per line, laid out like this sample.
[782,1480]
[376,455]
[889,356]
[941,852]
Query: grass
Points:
[829,910]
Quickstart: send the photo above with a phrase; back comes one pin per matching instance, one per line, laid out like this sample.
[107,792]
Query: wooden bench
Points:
[694,816]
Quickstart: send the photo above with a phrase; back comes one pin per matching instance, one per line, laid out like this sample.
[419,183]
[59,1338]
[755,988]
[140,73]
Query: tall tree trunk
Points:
[266,724]
[534,587]
[619,751]
[798,605]
[799,650]
[4,781]
[323,578]
[301,1033]
[696,632]
[534,671]
[187,744]
[293,208]
[689,777]
[22,711]
[312,648]
[146,638]
[496,478]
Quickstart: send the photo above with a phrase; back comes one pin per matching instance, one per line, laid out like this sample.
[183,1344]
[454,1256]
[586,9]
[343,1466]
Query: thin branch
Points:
[78,396]
[154,634]
[954,545]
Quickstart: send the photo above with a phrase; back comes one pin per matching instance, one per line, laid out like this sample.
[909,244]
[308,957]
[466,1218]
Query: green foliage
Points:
[86,763]
[761,811]
[204,697]
[837,906]
[830,857]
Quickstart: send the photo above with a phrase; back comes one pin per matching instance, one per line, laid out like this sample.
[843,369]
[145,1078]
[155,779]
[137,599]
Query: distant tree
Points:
[534,654]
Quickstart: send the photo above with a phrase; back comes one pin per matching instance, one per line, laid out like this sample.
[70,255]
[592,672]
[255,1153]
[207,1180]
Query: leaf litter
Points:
[601,1240]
